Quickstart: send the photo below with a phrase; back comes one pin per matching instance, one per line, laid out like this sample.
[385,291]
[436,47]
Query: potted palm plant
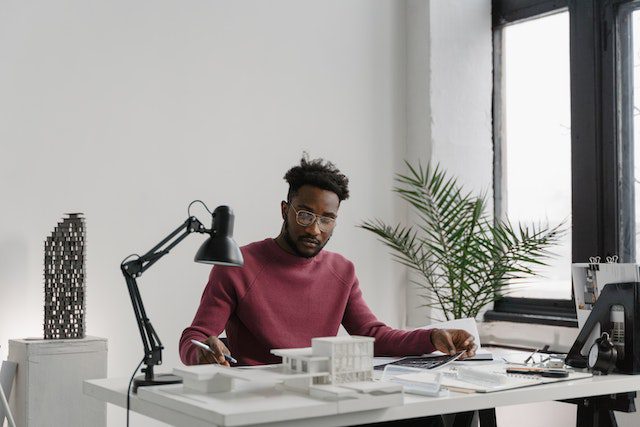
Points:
[461,257]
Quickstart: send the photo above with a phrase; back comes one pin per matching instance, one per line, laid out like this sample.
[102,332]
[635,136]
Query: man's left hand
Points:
[450,341]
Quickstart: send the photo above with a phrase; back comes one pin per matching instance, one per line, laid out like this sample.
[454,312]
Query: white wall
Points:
[127,111]
[449,75]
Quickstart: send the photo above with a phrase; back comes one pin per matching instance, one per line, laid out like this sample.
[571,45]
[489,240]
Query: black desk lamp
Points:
[219,248]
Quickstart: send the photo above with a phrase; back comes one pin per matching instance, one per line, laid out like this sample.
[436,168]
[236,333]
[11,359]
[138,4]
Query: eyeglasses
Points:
[306,218]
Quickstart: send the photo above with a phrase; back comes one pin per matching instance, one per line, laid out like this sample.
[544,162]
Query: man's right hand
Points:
[449,341]
[219,350]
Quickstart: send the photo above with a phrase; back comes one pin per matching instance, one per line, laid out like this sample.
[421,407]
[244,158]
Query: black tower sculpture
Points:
[64,279]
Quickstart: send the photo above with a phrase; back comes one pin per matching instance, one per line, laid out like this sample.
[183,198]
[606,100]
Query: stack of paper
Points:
[486,378]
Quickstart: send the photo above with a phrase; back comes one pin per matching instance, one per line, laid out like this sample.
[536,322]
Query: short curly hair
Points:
[318,173]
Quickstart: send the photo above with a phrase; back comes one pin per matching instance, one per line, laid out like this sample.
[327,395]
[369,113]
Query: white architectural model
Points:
[332,360]
[334,368]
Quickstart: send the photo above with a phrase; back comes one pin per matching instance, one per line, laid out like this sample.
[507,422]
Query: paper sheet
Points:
[452,379]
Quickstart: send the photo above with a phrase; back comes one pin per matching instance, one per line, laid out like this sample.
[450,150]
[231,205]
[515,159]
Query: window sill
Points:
[540,319]
[527,335]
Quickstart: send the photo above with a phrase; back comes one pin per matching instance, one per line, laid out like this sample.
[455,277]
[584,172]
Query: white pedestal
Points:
[48,387]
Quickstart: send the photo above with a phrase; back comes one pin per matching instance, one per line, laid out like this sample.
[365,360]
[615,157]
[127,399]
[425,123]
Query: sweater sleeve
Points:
[216,305]
[359,320]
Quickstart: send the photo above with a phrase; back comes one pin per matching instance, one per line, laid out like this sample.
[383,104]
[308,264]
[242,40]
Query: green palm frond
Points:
[462,259]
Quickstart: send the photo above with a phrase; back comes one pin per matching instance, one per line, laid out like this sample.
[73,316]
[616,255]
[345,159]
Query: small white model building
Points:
[332,360]
[334,368]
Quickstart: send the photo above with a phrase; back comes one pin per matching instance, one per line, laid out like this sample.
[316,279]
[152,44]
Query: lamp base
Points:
[158,379]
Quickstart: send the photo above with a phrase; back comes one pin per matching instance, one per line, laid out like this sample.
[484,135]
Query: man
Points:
[291,290]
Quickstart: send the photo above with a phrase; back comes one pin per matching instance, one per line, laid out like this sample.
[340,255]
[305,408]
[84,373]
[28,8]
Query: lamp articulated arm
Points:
[219,248]
[133,269]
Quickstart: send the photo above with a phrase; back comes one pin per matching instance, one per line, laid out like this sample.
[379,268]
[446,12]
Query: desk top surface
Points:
[255,404]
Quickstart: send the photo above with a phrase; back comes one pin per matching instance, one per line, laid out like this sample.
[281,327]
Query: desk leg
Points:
[486,417]
[589,416]
[460,419]
[597,411]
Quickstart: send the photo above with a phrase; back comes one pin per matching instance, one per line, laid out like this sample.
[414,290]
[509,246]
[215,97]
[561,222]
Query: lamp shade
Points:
[220,248]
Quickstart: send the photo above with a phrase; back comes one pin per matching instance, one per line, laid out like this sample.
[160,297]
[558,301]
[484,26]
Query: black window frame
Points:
[599,161]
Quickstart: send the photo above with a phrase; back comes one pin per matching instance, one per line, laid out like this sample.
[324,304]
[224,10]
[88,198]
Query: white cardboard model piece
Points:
[341,360]
[334,368]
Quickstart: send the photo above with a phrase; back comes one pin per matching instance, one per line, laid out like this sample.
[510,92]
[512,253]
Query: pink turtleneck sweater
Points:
[279,300]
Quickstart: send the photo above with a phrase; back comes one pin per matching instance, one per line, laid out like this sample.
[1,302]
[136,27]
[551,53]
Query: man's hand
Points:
[219,350]
[450,341]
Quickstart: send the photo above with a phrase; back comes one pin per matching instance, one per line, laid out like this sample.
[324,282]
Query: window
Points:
[633,111]
[604,66]
[629,40]
[536,140]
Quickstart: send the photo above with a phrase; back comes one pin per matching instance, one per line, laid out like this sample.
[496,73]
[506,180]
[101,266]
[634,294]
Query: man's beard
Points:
[294,247]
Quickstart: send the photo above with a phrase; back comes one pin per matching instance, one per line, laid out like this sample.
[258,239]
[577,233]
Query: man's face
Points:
[307,241]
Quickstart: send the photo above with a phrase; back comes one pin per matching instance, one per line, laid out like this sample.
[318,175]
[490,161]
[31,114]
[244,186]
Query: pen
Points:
[206,347]
[543,372]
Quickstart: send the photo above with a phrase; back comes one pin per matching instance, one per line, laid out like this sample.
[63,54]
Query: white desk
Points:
[266,406]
